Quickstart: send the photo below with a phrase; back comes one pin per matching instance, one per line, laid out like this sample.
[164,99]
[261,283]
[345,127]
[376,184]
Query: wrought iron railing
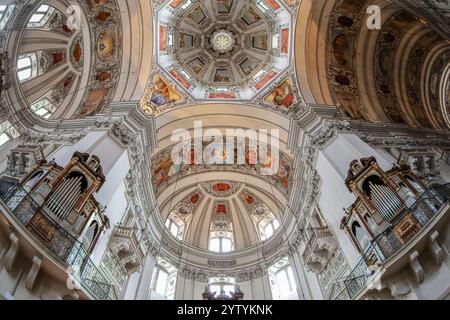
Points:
[386,244]
[39,221]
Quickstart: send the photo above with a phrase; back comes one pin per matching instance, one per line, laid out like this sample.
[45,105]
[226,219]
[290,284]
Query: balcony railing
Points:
[387,243]
[38,221]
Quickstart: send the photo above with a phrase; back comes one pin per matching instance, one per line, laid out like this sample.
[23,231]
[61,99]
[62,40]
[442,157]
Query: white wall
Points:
[332,164]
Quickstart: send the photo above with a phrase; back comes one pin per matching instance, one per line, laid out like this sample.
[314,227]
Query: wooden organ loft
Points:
[65,199]
[387,211]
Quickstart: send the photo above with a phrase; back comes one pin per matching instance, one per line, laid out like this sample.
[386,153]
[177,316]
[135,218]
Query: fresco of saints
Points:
[161,94]
[282,96]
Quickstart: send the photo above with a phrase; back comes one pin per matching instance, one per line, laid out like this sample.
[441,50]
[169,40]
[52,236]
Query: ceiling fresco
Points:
[166,172]
[223,51]
[185,209]
[221,189]
[106,32]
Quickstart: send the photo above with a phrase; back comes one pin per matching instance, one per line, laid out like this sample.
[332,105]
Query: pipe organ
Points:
[384,199]
[66,193]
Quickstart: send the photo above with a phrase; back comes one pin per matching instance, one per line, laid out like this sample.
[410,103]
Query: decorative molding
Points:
[222,263]
[57,136]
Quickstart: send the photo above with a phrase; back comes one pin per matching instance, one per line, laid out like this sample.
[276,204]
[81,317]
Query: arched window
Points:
[27,67]
[161,281]
[172,227]
[40,16]
[360,235]
[43,108]
[4,138]
[7,132]
[175,226]
[282,281]
[90,235]
[5,14]
[268,227]
[220,244]
[164,281]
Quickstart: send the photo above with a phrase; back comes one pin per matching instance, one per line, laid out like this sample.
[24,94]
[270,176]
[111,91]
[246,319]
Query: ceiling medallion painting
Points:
[229,50]
[221,189]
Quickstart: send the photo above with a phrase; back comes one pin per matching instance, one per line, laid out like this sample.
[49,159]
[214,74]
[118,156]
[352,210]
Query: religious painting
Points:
[260,41]
[163,168]
[94,102]
[106,45]
[285,40]
[77,53]
[222,75]
[251,16]
[282,95]
[162,93]
[175,3]
[224,6]
[162,38]
[221,208]
[247,198]
[221,187]
[97,3]
[265,80]
[284,173]
[196,66]
[194,198]
[186,40]
[291,3]
[251,157]
[197,15]
[273,4]
[222,95]
[248,65]
[181,80]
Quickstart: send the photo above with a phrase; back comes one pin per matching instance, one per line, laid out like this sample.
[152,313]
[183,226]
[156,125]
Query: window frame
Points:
[221,244]
[5,14]
[32,66]
[274,224]
[43,104]
[8,132]
[43,13]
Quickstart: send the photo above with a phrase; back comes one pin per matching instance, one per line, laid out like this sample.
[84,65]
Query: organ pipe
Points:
[71,195]
[71,202]
[64,197]
[385,200]
[56,197]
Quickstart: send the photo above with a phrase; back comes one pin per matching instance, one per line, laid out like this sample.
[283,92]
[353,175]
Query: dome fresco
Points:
[224,50]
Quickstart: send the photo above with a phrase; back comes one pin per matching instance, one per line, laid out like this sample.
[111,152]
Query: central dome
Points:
[226,50]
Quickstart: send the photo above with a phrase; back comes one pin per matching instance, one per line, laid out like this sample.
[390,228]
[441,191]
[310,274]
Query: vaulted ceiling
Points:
[231,64]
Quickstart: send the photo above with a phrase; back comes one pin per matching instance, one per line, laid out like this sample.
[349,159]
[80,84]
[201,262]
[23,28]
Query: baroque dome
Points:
[224,50]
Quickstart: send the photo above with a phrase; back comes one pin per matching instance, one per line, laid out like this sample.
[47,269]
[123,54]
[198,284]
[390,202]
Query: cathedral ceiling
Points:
[223,207]
[233,64]
[223,51]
